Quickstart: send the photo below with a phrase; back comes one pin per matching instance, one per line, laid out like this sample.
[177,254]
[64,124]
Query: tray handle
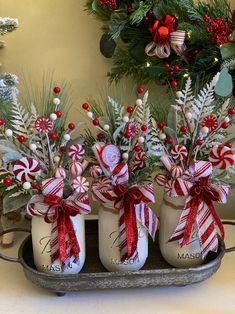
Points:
[8,258]
[230,223]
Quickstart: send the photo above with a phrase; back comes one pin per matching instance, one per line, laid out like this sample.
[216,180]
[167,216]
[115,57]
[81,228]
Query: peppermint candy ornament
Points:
[179,152]
[110,155]
[96,171]
[26,169]
[161,179]
[60,173]
[76,152]
[140,160]
[80,184]
[43,125]
[76,168]
[210,122]
[176,172]
[221,157]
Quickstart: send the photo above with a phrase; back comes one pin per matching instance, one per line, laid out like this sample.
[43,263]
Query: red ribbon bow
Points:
[127,199]
[202,192]
[161,30]
[60,212]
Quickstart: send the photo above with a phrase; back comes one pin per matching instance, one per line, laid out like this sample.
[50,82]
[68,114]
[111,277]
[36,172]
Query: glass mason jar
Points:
[41,235]
[109,252]
[187,256]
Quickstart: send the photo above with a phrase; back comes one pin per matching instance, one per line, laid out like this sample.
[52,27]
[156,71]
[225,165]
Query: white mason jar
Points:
[41,235]
[109,252]
[187,256]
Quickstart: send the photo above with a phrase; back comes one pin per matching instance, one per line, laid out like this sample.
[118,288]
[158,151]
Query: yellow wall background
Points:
[59,36]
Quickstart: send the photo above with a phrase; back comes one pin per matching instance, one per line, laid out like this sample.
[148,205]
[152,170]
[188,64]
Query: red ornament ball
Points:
[58,114]
[229,144]
[183,129]
[173,84]
[96,121]
[100,136]
[144,128]
[160,125]
[171,73]
[53,136]
[169,140]
[56,89]
[7,181]
[71,126]
[130,109]
[199,142]
[63,149]
[166,65]
[128,134]
[163,32]
[21,138]
[231,111]
[137,148]
[224,125]
[1,122]
[176,67]
[140,89]
[85,106]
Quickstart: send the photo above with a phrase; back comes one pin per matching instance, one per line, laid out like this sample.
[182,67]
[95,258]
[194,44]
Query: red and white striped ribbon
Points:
[77,201]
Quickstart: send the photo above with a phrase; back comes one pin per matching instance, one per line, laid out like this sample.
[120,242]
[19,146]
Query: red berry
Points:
[59,114]
[166,65]
[37,187]
[100,136]
[231,111]
[21,138]
[173,84]
[63,149]
[199,142]
[224,125]
[170,73]
[96,121]
[140,89]
[1,121]
[137,148]
[150,13]
[129,9]
[85,106]
[176,68]
[169,140]
[53,136]
[160,125]
[229,144]
[130,109]
[128,134]
[7,181]
[56,89]
[183,129]
[146,18]
[144,128]
[71,126]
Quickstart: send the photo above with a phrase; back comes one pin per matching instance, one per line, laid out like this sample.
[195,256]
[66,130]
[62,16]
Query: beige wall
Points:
[57,35]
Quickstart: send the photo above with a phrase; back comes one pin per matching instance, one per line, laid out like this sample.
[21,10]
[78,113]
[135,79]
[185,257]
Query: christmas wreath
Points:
[167,41]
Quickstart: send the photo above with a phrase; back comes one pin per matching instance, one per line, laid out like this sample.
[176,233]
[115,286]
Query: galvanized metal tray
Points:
[156,272]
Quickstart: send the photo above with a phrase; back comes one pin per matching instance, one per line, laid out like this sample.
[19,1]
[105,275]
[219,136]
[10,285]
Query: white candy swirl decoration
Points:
[179,152]
[80,184]
[76,152]
[60,173]
[96,171]
[110,155]
[221,157]
[26,169]
[140,160]
[76,168]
